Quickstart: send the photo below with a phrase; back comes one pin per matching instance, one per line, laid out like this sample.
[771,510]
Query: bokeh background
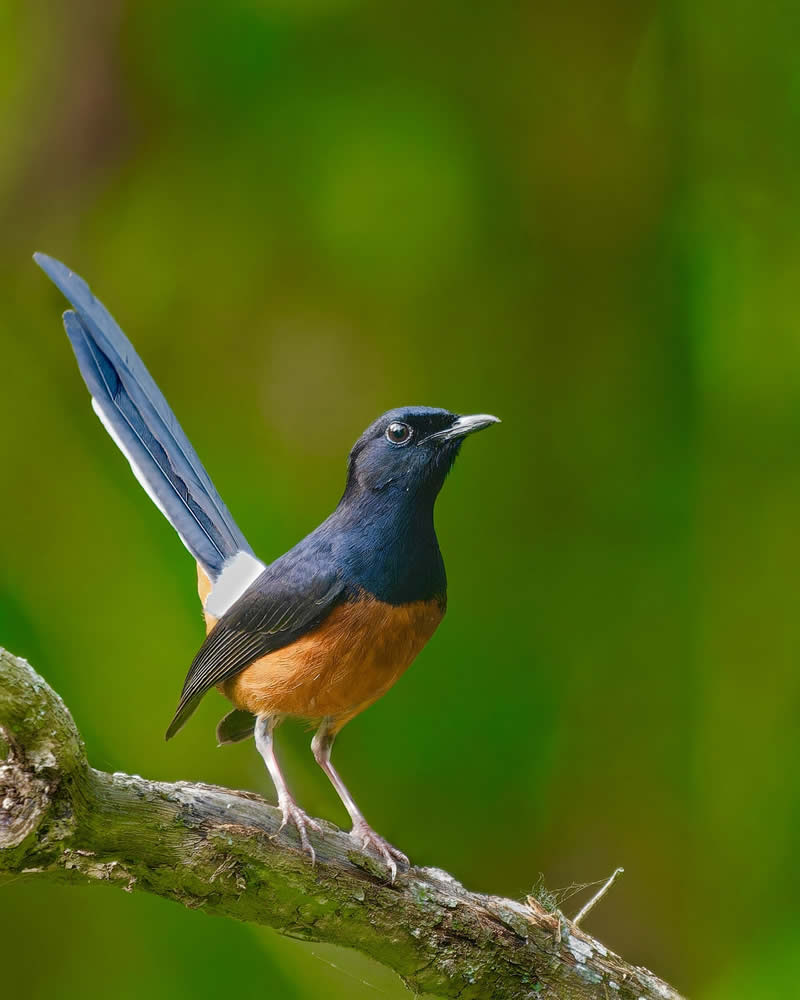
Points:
[583,217]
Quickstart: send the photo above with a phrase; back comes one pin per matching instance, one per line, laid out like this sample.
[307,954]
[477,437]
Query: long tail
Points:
[138,418]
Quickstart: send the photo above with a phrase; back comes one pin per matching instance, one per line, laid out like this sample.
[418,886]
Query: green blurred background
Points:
[583,217]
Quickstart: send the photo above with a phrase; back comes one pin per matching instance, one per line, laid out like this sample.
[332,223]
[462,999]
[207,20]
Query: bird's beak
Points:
[464,426]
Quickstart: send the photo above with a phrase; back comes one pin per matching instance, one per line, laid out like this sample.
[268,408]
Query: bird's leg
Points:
[290,811]
[362,832]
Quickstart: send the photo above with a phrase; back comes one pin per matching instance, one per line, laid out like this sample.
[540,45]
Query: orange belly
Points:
[341,666]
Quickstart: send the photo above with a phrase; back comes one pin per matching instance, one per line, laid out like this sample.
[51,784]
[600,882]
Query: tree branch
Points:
[214,848]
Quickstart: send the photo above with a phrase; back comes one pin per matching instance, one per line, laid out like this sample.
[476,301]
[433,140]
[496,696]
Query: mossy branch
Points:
[213,848]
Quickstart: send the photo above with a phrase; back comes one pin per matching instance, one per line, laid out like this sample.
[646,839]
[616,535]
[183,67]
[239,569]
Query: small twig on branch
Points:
[216,849]
[597,896]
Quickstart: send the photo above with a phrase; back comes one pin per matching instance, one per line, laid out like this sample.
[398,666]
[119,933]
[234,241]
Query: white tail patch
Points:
[236,576]
[104,420]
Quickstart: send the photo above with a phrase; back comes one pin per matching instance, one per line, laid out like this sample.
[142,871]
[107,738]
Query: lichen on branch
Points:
[220,850]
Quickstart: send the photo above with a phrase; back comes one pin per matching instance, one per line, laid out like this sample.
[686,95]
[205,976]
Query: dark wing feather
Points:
[266,617]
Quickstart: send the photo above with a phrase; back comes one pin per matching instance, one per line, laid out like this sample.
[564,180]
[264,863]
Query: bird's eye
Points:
[398,433]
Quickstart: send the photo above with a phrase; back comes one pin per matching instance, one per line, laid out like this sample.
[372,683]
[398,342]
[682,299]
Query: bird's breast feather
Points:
[342,665]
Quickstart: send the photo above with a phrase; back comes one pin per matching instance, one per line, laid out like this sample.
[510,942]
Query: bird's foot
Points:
[365,837]
[302,822]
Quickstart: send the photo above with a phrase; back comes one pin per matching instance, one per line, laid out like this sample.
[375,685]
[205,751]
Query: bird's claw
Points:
[302,822]
[366,837]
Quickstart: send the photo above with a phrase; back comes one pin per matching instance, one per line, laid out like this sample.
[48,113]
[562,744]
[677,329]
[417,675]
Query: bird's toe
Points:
[368,839]
[292,814]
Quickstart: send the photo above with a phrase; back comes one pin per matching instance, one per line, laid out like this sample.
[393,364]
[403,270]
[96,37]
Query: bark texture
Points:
[214,848]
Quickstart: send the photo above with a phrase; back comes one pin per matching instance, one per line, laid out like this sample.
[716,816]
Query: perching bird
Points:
[326,629]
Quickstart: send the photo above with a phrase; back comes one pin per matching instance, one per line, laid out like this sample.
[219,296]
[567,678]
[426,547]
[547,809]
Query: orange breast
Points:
[340,667]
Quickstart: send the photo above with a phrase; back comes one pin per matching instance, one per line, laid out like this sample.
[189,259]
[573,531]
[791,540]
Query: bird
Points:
[321,632]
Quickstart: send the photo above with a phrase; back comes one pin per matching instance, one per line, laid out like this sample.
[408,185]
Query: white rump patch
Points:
[134,467]
[237,575]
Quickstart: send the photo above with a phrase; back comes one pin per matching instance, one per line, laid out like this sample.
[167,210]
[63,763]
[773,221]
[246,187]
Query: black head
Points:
[409,450]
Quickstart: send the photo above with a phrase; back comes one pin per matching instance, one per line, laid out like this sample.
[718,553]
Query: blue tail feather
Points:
[139,418]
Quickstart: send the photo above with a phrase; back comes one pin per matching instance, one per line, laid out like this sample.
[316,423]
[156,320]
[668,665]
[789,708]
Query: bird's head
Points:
[410,450]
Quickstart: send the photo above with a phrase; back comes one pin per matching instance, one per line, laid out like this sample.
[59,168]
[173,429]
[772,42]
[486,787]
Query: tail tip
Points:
[45,262]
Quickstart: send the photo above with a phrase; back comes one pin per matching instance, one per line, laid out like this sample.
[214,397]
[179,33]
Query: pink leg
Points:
[291,812]
[362,832]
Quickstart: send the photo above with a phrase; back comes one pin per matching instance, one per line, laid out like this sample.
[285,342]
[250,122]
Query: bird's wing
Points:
[273,613]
